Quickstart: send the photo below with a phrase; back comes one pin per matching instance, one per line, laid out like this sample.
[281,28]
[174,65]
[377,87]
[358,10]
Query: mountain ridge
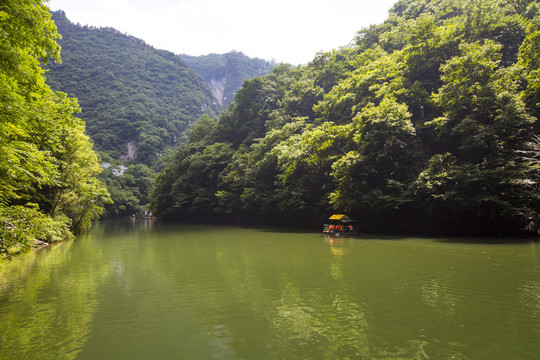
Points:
[138,101]
[129,92]
[225,73]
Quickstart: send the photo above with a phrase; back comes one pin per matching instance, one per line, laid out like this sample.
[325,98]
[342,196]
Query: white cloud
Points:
[286,30]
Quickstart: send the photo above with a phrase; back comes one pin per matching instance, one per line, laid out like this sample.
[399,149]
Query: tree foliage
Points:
[129,192]
[48,169]
[426,123]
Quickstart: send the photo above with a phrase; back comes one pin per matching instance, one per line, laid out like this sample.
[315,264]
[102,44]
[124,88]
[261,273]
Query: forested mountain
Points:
[48,168]
[427,123]
[136,100]
[224,73]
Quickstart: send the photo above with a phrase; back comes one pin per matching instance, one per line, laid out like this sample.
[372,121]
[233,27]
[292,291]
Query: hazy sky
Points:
[290,31]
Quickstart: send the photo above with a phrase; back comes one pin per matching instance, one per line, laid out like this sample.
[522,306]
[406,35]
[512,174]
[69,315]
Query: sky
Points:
[291,31]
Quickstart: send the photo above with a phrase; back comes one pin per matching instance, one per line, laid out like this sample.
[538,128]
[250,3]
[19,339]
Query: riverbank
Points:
[38,244]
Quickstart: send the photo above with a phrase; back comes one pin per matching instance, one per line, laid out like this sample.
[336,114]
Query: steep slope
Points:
[136,100]
[225,73]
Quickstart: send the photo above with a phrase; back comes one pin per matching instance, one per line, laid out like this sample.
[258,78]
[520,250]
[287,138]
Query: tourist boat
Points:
[340,224]
[147,215]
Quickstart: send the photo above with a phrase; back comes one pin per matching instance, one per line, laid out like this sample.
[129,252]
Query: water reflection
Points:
[139,291]
[47,302]
[436,294]
[301,328]
[145,223]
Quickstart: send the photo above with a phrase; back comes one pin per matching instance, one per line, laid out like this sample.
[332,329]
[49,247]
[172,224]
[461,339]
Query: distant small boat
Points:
[340,224]
[144,215]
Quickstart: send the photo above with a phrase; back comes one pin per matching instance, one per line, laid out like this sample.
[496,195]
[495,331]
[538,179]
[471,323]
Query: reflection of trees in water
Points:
[530,299]
[301,326]
[265,302]
[391,300]
[438,296]
[247,299]
[403,346]
[284,306]
[47,311]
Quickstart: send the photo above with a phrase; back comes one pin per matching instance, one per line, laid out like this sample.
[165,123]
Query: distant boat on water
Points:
[144,215]
[340,224]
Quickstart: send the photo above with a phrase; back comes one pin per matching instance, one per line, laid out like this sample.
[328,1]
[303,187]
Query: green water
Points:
[150,291]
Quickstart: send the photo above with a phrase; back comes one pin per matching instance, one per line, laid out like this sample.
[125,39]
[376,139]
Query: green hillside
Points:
[427,123]
[136,100]
[225,73]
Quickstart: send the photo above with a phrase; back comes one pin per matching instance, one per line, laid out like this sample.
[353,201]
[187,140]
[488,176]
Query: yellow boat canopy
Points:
[339,217]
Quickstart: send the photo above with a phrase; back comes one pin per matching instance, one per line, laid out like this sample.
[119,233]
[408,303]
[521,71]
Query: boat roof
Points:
[339,217]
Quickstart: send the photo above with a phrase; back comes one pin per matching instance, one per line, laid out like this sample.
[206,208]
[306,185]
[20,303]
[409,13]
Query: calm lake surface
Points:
[152,291]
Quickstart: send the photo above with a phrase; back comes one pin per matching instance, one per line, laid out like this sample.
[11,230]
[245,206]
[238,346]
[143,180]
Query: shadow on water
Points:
[284,230]
[116,226]
[126,224]
[489,240]
[471,240]
[456,239]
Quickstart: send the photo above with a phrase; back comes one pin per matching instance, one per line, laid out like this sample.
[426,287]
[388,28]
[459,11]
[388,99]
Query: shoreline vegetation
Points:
[424,124]
[48,186]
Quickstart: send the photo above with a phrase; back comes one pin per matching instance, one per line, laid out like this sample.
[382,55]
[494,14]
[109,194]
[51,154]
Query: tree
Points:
[529,55]
[305,163]
[31,36]
[47,165]
[249,185]
[248,117]
[479,173]
[186,189]
[377,74]
[130,192]
[372,179]
[426,123]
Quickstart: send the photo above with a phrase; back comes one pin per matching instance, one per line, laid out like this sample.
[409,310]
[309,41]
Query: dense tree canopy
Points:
[427,123]
[48,185]
[136,101]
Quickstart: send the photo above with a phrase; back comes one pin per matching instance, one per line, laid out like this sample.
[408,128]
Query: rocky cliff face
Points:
[217,87]
[131,152]
[225,73]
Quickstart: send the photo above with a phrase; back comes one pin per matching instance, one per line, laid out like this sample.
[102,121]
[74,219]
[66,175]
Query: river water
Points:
[151,291]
